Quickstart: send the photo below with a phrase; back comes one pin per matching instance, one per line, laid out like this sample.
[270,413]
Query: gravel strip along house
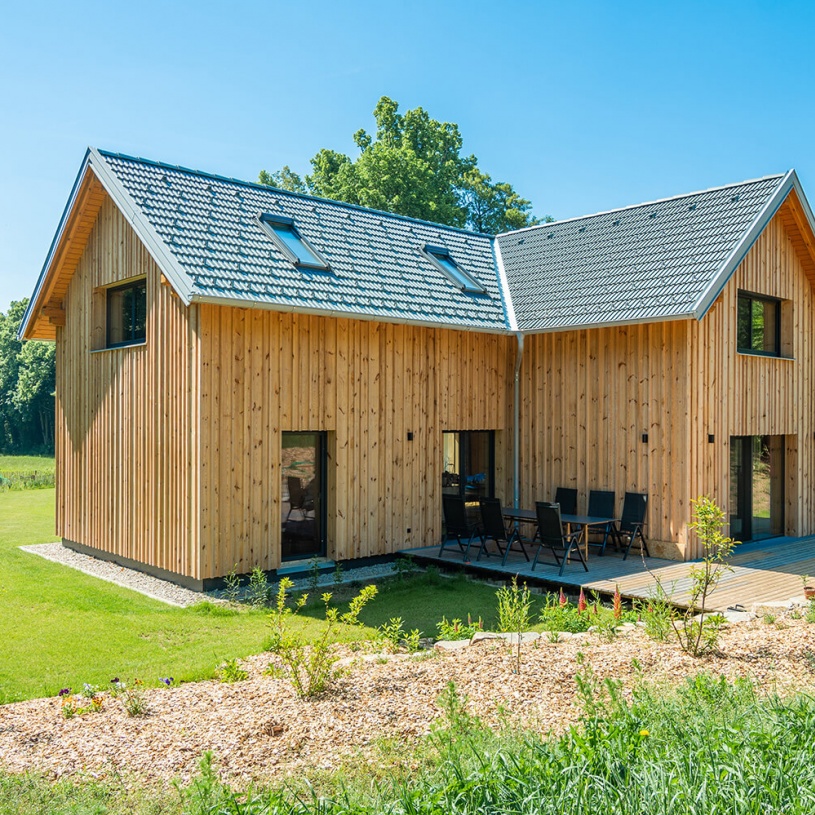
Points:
[248,377]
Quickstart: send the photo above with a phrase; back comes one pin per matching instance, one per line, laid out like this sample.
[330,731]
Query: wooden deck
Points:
[764,572]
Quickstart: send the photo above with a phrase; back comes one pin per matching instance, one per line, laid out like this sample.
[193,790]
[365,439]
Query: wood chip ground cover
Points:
[258,729]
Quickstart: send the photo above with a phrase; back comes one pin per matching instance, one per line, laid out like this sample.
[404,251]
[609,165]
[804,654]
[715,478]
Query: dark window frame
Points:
[464,282]
[751,298]
[134,339]
[269,221]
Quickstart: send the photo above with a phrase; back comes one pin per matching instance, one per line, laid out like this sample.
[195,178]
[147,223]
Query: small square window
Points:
[292,244]
[442,259]
[758,325]
[126,314]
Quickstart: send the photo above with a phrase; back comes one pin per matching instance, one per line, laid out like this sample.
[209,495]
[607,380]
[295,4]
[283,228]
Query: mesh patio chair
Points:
[553,537]
[492,524]
[601,505]
[567,498]
[632,522]
[457,527]
[298,497]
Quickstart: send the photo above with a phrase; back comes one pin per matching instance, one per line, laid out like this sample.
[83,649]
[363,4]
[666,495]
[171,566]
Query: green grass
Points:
[26,472]
[61,628]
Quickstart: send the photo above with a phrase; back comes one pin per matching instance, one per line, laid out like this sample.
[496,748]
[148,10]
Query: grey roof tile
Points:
[378,270]
[651,261]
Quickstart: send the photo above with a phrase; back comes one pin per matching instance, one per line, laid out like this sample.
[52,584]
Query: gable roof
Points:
[662,260]
[216,249]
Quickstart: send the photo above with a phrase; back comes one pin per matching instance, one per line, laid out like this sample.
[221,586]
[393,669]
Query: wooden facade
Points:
[169,452]
[633,408]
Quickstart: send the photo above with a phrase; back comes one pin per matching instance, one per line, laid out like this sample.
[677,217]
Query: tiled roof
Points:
[209,226]
[647,262]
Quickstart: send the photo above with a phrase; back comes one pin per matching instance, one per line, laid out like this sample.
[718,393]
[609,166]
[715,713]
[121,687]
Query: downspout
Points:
[516,421]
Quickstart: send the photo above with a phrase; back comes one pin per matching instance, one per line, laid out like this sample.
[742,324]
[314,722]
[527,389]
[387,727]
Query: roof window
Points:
[440,257]
[291,243]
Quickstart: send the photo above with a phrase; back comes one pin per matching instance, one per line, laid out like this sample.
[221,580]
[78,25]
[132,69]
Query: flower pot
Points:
[809,592]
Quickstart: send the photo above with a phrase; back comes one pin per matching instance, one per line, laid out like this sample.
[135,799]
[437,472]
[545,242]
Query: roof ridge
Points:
[679,197]
[306,196]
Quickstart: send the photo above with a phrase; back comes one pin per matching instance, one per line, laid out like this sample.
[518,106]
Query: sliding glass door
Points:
[756,487]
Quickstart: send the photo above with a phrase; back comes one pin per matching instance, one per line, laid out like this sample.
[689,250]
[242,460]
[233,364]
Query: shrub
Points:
[310,668]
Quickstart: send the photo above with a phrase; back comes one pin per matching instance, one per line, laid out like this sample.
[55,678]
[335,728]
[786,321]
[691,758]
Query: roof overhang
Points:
[805,222]
[93,184]
[345,315]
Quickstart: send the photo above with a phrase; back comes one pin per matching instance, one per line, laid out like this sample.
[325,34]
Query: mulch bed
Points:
[259,730]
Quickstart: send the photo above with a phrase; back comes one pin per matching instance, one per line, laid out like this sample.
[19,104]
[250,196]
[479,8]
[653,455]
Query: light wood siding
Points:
[127,418]
[367,384]
[745,395]
[587,398]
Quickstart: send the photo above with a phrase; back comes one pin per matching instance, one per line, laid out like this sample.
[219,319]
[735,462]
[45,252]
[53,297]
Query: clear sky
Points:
[582,106]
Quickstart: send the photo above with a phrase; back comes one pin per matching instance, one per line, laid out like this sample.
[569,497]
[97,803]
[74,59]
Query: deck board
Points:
[764,572]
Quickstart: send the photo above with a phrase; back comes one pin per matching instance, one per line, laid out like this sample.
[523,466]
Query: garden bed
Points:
[259,729]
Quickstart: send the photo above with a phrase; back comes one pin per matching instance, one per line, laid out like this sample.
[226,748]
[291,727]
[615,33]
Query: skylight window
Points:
[291,243]
[441,258]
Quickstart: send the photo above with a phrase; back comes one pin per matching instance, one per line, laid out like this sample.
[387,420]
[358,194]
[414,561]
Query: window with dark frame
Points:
[758,325]
[126,308]
[292,244]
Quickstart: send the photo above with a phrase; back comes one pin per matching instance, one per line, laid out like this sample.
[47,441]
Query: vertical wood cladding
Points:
[368,385]
[127,418]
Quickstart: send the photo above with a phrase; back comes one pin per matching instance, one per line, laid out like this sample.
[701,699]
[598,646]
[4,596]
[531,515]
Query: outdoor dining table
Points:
[583,521]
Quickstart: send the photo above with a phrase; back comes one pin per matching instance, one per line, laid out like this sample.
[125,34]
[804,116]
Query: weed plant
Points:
[258,589]
[455,629]
[231,671]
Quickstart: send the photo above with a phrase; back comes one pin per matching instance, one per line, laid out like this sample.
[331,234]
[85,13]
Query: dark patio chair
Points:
[298,497]
[567,498]
[493,528]
[601,505]
[632,522]
[457,527]
[553,537]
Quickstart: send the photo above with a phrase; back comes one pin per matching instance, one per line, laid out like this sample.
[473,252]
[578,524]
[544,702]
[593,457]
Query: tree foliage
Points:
[27,382]
[412,166]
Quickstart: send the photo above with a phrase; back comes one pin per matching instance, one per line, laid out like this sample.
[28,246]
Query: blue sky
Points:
[582,106]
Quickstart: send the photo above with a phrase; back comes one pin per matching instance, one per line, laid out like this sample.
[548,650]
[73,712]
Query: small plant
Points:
[810,613]
[696,628]
[513,613]
[338,576]
[413,640]
[656,614]
[79,704]
[769,619]
[403,566]
[392,632]
[232,586]
[231,671]
[457,630]
[133,698]
[258,588]
[167,681]
[311,668]
[313,576]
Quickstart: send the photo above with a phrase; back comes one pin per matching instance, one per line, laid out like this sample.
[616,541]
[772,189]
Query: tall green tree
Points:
[27,382]
[412,166]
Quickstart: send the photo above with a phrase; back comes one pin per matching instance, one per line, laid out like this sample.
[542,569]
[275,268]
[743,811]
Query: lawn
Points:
[26,472]
[61,628]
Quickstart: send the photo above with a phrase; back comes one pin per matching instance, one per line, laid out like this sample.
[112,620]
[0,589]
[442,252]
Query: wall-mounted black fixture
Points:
[410,435]
[710,438]
[645,438]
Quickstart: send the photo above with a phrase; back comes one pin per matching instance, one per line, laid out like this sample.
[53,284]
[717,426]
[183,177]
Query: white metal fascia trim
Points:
[730,265]
[344,315]
[153,242]
[506,294]
[55,242]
